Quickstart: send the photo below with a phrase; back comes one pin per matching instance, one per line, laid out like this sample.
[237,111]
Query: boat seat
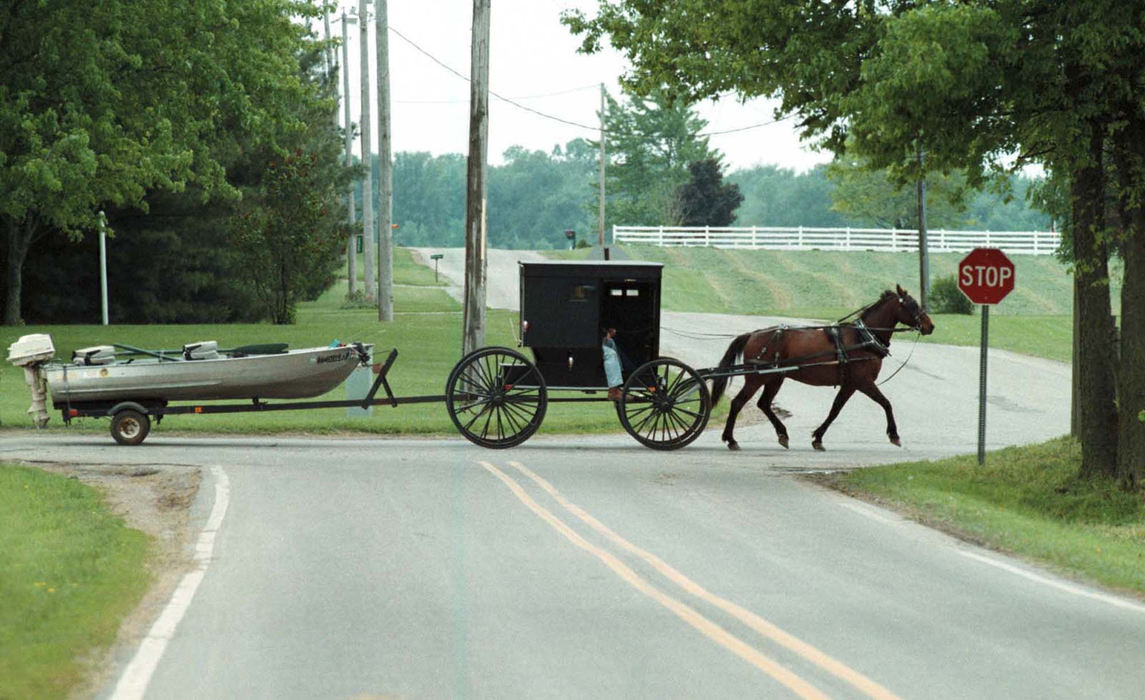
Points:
[205,350]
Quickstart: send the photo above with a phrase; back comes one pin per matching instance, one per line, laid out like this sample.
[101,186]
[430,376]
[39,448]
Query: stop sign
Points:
[986,275]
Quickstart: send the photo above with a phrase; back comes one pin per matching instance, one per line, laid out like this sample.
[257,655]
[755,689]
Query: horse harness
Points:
[842,352]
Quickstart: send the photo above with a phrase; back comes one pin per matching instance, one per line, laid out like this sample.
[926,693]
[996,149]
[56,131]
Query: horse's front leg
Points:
[877,396]
[841,399]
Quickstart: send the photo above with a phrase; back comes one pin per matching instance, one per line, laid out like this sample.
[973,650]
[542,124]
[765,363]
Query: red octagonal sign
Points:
[986,275]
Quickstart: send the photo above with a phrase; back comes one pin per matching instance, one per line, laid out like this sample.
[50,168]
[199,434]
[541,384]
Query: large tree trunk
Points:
[1131,367]
[1097,412]
[1131,377]
[20,236]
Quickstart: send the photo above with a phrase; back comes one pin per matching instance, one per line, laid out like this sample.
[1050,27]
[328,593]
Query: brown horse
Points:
[847,355]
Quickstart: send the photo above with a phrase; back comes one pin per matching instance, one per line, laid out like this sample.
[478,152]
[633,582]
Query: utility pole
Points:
[385,175]
[473,330]
[600,234]
[923,259]
[367,148]
[351,248]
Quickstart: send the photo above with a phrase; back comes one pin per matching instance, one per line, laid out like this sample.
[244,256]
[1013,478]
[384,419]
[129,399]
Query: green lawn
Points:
[1025,500]
[70,573]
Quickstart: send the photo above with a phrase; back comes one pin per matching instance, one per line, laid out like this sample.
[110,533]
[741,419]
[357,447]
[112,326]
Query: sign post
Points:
[985,276]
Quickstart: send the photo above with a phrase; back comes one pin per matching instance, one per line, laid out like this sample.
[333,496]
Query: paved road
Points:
[597,568]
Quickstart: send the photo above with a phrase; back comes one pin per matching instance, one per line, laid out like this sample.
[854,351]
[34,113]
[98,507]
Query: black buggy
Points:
[497,396]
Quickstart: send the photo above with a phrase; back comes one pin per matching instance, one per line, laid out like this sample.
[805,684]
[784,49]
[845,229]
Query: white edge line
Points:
[868,512]
[136,677]
[1059,585]
[1037,578]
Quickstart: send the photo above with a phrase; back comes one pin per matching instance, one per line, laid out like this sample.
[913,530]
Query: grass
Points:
[1024,500]
[71,572]
[1035,319]
[426,331]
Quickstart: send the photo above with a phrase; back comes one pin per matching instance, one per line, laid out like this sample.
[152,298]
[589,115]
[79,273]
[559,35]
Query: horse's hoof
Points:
[733,446]
[818,446]
[783,441]
[895,441]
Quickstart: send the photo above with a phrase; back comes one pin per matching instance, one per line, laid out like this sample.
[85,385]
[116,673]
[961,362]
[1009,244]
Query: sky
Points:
[533,62]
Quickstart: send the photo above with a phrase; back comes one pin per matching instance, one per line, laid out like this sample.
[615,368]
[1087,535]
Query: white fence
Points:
[802,238]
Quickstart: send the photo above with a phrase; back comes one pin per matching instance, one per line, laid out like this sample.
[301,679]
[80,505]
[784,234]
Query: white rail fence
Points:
[803,238]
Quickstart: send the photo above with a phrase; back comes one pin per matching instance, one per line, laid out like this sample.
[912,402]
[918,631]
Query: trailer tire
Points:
[130,427]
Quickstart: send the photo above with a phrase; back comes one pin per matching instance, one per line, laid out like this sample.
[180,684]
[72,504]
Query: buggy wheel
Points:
[665,404]
[130,427]
[496,397]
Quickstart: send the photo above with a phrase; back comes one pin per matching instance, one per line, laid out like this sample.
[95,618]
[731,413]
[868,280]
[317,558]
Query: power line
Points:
[595,129]
[503,99]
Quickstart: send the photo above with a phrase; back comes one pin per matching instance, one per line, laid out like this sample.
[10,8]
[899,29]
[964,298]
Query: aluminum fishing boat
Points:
[201,372]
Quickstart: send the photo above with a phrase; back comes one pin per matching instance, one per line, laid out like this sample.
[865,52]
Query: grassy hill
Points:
[829,284]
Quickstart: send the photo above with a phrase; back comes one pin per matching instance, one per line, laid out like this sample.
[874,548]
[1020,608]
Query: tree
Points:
[649,142]
[705,200]
[873,197]
[100,105]
[969,83]
[291,233]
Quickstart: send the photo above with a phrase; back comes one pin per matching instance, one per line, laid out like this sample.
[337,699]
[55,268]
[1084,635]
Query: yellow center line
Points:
[708,628]
[752,620]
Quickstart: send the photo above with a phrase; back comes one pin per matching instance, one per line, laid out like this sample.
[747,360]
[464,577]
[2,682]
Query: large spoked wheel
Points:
[665,404]
[130,427]
[496,397]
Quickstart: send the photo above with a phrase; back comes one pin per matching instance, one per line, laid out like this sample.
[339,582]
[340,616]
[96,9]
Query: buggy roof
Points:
[611,269]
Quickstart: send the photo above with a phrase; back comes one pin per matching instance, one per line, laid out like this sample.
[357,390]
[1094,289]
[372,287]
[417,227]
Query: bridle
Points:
[916,314]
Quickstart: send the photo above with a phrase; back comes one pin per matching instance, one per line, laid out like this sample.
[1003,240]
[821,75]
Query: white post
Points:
[103,264]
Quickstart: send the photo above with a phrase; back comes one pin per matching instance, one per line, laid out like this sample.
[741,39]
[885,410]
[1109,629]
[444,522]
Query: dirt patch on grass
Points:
[156,500]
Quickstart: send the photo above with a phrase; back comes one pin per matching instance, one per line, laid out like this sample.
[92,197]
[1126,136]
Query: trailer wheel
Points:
[130,427]
[496,397]
[664,404]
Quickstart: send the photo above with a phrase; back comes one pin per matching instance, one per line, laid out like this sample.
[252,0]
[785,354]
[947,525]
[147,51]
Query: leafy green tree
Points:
[969,83]
[291,233]
[774,196]
[874,198]
[649,143]
[102,104]
[705,200]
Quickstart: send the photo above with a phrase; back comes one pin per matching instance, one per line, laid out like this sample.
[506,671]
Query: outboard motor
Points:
[32,352]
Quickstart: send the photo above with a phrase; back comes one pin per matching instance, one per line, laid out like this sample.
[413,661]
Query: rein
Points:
[904,362]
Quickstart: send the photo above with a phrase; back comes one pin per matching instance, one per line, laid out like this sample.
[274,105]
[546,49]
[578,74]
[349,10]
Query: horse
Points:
[847,355]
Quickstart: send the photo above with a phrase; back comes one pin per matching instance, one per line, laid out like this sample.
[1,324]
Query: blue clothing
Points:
[611,363]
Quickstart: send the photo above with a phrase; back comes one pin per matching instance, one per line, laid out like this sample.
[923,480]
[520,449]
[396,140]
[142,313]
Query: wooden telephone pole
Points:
[367,152]
[473,331]
[386,172]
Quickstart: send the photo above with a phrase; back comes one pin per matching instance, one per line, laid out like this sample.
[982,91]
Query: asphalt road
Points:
[593,567]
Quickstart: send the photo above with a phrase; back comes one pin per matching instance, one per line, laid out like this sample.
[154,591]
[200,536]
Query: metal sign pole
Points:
[103,265]
[982,386]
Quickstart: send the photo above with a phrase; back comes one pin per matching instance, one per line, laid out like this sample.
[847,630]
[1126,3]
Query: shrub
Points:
[947,298]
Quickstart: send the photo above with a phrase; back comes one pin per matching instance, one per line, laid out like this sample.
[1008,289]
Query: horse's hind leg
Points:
[841,398]
[751,385]
[770,389]
[877,396]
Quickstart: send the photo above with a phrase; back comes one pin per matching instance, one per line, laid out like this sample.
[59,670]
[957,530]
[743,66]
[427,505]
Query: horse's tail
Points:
[721,383]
